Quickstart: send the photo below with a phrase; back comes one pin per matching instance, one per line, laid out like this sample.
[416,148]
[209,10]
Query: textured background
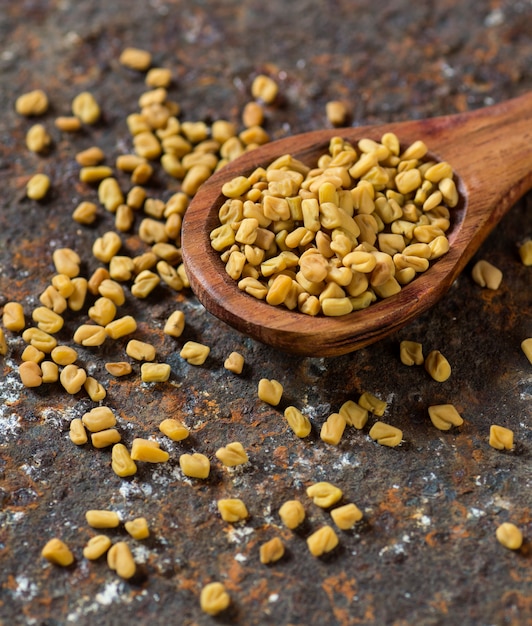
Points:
[426,552]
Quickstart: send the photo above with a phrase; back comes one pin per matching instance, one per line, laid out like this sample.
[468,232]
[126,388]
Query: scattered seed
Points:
[270,391]
[195,465]
[38,186]
[444,416]
[121,462]
[509,536]
[437,366]
[346,516]
[232,510]
[120,559]
[386,434]
[501,438]
[271,551]
[32,103]
[486,275]
[298,422]
[292,514]
[322,541]
[324,494]
[148,451]
[58,553]
[138,528]
[232,454]
[194,353]
[173,428]
[155,372]
[96,547]
[214,598]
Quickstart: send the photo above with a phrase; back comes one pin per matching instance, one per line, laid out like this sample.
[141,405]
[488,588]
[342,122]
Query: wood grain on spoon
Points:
[490,151]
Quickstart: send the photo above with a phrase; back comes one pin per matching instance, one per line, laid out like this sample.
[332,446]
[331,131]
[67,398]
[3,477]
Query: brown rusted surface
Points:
[426,551]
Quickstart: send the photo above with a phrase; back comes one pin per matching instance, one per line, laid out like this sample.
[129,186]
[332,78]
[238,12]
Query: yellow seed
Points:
[194,353]
[63,284]
[411,353]
[97,278]
[333,429]
[105,438]
[234,363]
[501,438]
[437,366]
[119,368]
[271,551]
[232,454]
[144,284]
[50,372]
[444,416]
[90,335]
[94,389]
[31,353]
[292,513]
[99,418]
[86,108]
[373,404]
[324,494]
[135,58]
[77,433]
[3,343]
[509,536]
[32,103]
[77,299]
[354,414]
[232,510]
[102,518]
[346,516]
[155,372]
[72,378]
[322,541]
[174,428]
[525,252]
[30,374]
[64,355]
[37,139]
[109,288]
[96,547]
[299,423]
[270,391]
[121,267]
[486,275]
[95,174]
[120,559]
[158,77]
[103,311]
[39,339]
[13,316]
[148,451]
[110,194]
[526,346]
[90,156]
[105,247]
[252,115]
[385,434]
[264,88]
[336,112]
[66,262]
[175,324]
[138,528]
[140,350]
[67,123]
[58,553]
[38,186]
[214,598]
[121,462]
[195,465]
[121,327]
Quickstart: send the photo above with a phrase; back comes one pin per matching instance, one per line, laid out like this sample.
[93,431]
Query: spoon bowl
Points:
[490,151]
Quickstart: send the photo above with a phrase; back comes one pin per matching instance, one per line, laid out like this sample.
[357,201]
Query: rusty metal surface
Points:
[426,551]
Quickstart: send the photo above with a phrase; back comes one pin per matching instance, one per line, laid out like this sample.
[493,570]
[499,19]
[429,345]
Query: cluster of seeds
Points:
[333,239]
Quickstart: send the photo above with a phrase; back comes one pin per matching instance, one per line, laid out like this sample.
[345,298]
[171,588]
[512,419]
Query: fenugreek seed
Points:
[232,454]
[142,174]
[322,541]
[94,389]
[373,404]
[85,213]
[3,343]
[526,347]
[121,327]
[13,317]
[270,391]
[385,434]
[336,112]
[346,516]
[30,374]
[38,186]
[77,300]
[96,279]
[155,372]
[444,416]
[110,194]
[140,350]
[152,231]
[77,432]
[106,246]
[234,363]
[195,465]
[509,535]
[232,510]
[47,320]
[214,598]
[95,174]
[58,553]
[31,353]
[333,429]
[324,494]
[72,378]
[64,355]
[66,261]
[147,145]
[39,339]
[37,139]
[175,324]
[121,462]
[486,275]
[354,414]
[158,77]
[118,368]
[271,551]
[105,438]
[264,88]
[103,311]
[99,418]
[148,451]
[121,268]
[32,103]
[120,559]
[136,59]
[169,275]
[90,156]
[112,290]
[501,438]
[90,335]
[102,518]
[174,428]
[86,108]
[525,253]
[138,528]
[411,353]
[437,366]
[298,422]
[67,123]
[144,284]
[96,547]
[292,514]
[144,261]
[194,353]
[194,178]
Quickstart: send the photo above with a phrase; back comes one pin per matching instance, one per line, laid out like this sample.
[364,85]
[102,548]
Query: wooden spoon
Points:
[490,150]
